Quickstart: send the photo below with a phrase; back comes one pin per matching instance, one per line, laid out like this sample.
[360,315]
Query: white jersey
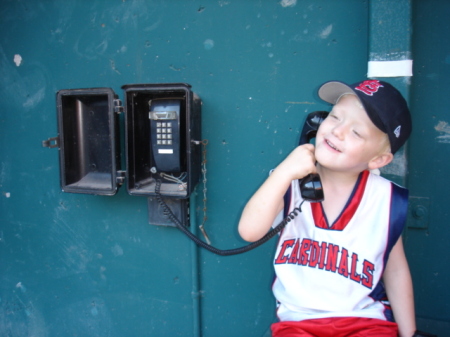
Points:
[335,271]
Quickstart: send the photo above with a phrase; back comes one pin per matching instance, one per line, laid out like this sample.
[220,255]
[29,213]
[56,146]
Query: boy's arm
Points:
[263,207]
[399,289]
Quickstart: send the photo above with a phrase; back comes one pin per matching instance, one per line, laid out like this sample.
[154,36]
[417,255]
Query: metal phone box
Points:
[162,139]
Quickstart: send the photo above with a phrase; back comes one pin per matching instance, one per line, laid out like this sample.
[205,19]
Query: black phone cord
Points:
[169,214]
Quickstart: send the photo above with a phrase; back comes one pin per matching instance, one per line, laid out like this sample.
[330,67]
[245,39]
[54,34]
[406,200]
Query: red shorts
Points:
[336,327]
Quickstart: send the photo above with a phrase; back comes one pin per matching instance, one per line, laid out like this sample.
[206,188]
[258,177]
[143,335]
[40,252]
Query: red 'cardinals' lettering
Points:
[327,257]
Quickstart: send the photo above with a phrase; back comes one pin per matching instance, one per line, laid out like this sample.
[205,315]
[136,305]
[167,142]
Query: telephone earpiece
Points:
[311,186]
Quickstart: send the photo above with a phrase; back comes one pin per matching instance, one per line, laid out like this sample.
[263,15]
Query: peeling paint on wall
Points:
[290,102]
[17,60]
[322,33]
[288,3]
[390,56]
[443,128]
[326,32]
[24,90]
[35,98]
[208,44]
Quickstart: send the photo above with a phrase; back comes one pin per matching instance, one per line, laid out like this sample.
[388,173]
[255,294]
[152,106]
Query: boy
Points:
[337,259]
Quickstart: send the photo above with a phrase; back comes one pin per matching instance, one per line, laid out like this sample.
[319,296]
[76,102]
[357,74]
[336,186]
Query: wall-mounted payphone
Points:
[162,142]
[163,154]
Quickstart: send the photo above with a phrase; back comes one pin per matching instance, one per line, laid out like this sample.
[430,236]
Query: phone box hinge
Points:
[118,108]
[51,142]
[120,177]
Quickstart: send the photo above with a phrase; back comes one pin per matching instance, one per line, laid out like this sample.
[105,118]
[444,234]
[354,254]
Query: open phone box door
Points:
[162,140]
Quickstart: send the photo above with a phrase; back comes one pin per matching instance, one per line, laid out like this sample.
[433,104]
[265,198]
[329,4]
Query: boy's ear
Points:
[380,160]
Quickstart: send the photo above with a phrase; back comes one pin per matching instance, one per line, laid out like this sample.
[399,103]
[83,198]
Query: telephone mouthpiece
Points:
[311,188]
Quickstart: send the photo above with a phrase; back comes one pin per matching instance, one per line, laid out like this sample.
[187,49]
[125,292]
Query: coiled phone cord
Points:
[168,212]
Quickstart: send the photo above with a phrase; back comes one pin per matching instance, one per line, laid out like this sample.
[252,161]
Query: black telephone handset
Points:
[165,134]
[311,186]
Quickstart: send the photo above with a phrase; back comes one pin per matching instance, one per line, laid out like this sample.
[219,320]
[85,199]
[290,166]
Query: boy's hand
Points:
[300,162]
[263,207]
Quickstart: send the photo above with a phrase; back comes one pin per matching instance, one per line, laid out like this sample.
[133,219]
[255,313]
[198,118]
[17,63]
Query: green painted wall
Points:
[84,265]
[428,233]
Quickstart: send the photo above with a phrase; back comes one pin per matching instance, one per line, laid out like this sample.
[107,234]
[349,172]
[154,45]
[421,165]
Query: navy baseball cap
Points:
[384,104]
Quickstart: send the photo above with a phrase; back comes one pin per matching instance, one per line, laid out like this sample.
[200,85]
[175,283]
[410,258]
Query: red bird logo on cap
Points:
[369,87]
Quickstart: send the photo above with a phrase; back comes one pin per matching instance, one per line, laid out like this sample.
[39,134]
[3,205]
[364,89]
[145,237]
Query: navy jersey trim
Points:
[287,201]
[397,217]
[397,220]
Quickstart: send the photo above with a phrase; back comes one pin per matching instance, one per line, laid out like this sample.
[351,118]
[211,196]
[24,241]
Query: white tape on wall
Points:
[390,68]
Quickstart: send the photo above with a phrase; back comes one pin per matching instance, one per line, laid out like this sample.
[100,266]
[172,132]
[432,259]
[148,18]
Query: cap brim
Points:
[331,91]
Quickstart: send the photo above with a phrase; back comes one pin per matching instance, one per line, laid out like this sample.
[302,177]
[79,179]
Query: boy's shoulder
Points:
[378,179]
[398,194]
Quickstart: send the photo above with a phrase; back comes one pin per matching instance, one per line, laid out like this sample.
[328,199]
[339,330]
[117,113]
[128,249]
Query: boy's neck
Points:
[337,179]
[337,188]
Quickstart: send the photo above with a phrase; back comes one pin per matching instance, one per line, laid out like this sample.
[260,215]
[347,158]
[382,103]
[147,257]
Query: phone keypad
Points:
[164,133]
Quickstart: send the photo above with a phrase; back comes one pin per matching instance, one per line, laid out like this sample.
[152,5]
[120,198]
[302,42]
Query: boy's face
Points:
[347,140]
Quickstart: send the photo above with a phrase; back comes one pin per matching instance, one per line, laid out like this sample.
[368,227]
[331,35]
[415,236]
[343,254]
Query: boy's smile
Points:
[347,140]
[332,145]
